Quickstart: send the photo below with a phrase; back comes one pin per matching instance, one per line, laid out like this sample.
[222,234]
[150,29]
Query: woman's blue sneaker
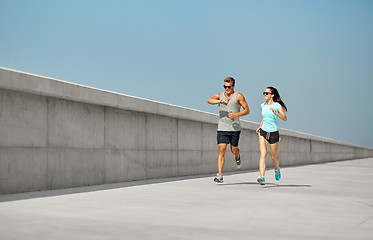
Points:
[277,174]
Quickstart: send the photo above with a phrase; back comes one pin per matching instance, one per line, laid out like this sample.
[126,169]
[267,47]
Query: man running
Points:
[229,128]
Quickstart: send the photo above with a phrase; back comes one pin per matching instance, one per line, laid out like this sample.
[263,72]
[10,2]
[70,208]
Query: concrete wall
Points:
[55,134]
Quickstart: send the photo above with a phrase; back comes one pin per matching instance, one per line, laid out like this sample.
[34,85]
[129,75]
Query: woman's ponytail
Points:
[277,98]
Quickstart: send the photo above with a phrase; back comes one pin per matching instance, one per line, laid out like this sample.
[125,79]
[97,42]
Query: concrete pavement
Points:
[323,201]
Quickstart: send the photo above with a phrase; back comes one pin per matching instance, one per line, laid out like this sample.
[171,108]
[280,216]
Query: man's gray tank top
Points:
[225,123]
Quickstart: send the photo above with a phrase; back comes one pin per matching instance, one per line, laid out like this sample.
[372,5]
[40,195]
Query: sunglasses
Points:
[266,93]
[227,86]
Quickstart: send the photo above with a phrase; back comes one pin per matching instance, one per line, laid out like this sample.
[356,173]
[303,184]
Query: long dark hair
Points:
[277,98]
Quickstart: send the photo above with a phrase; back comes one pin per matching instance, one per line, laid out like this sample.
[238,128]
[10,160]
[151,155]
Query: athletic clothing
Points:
[269,118]
[229,137]
[271,137]
[225,123]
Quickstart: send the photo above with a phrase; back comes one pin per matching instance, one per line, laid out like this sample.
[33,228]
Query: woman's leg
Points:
[263,154]
[274,148]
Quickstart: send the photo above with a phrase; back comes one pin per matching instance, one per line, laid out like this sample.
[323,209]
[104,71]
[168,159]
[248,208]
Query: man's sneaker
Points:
[277,174]
[218,178]
[261,180]
[238,162]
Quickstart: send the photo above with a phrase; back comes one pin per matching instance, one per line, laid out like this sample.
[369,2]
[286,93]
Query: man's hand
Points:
[232,115]
[225,102]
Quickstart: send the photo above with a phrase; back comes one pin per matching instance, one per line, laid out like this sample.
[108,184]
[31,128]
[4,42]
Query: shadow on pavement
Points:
[267,185]
[84,189]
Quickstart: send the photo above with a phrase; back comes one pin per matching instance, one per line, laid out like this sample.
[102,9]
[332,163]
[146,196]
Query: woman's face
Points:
[268,94]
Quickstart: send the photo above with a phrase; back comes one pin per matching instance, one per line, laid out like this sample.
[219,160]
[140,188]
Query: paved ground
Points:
[325,201]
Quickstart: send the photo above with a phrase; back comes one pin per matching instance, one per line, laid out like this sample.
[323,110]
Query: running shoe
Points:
[238,162]
[277,174]
[218,178]
[261,180]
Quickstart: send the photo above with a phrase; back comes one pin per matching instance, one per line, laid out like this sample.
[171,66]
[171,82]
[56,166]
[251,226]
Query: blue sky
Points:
[318,54]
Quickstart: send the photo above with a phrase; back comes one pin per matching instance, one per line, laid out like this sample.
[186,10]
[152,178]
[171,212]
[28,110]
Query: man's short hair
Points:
[230,80]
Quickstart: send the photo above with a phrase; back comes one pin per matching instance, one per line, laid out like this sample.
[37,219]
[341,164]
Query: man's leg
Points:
[235,137]
[221,156]
[236,152]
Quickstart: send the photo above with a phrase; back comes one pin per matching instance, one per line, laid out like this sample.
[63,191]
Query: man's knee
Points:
[222,150]
[235,150]
[222,147]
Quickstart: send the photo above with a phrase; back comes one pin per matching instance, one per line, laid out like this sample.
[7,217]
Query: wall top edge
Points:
[25,84]
[308,136]
[51,87]
[81,86]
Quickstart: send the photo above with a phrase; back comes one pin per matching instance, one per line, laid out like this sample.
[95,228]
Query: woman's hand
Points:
[274,111]
[257,131]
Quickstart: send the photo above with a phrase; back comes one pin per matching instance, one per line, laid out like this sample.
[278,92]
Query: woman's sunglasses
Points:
[266,93]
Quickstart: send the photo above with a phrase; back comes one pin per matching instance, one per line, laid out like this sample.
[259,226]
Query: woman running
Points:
[272,108]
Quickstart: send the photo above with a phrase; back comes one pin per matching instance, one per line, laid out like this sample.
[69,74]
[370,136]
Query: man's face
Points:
[229,87]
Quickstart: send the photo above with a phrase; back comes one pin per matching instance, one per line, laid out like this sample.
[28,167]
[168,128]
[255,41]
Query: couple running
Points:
[229,128]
